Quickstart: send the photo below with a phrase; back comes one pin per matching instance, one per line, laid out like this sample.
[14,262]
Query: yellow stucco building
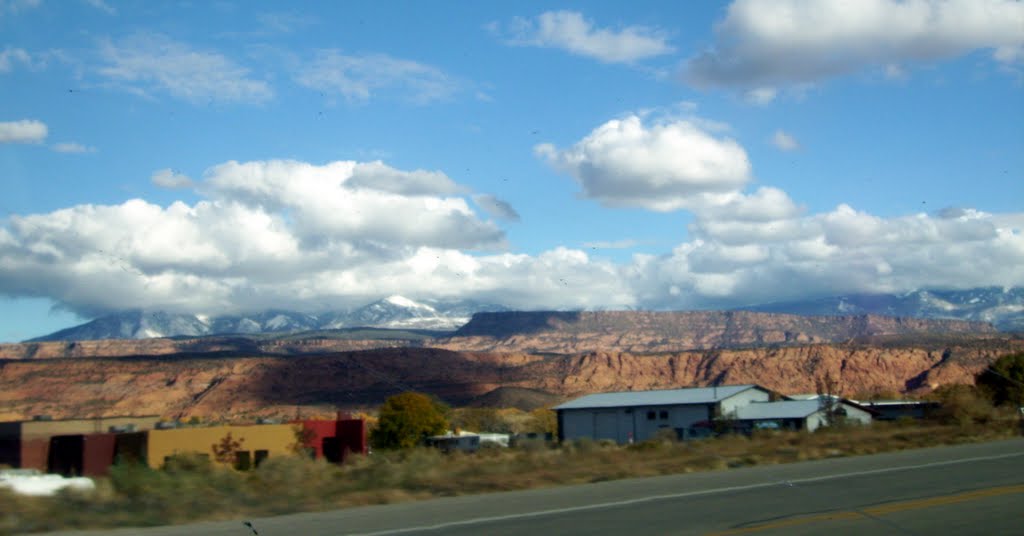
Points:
[255,443]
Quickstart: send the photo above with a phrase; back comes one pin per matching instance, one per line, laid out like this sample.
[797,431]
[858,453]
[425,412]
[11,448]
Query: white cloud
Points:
[280,22]
[323,204]
[761,96]
[23,131]
[102,6]
[146,63]
[378,176]
[570,31]
[361,77]
[17,6]
[170,179]
[668,165]
[768,43]
[496,207]
[72,147]
[784,141]
[9,56]
[626,243]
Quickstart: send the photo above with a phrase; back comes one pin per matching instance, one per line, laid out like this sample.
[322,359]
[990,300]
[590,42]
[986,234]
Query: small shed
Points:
[629,416]
[806,415]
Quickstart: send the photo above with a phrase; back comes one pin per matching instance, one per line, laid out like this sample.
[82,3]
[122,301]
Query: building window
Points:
[650,415]
[259,456]
[243,460]
[663,415]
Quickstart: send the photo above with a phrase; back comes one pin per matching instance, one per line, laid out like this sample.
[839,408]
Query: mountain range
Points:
[1003,308]
[393,312]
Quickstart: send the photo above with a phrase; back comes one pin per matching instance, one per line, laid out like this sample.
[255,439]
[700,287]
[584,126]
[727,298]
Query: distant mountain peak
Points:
[402,301]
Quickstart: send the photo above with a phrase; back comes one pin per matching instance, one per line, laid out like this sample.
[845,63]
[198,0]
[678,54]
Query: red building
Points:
[335,440]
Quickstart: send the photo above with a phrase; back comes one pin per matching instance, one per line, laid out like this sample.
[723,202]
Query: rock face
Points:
[645,332]
[216,387]
[558,355]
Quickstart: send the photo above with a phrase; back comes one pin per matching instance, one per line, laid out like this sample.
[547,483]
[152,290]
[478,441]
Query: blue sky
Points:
[215,157]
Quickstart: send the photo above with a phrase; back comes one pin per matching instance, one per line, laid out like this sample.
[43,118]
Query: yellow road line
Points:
[879,510]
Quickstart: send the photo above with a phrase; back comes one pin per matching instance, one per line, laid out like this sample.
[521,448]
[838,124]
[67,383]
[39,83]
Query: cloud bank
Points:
[314,237]
[764,44]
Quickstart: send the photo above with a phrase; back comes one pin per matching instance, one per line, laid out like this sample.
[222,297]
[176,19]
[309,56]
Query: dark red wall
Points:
[98,454]
[340,438]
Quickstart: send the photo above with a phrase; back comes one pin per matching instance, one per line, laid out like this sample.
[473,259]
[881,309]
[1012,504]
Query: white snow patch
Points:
[278,322]
[402,301]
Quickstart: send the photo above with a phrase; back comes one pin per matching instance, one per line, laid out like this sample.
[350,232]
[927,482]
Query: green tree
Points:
[406,419]
[1004,380]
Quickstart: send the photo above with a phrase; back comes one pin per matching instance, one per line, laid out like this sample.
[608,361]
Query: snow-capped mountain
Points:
[1003,308]
[396,312]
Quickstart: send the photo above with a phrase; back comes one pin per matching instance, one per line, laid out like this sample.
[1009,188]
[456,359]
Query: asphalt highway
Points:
[966,489]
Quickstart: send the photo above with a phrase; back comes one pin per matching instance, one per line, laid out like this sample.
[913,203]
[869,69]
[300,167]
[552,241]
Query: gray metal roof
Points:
[785,409]
[666,397]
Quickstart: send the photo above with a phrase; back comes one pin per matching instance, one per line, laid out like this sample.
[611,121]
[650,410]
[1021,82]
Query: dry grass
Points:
[192,489]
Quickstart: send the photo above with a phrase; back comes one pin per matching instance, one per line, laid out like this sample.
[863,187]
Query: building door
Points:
[606,425]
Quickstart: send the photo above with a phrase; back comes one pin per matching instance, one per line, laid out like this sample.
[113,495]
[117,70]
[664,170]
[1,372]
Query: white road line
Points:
[652,498]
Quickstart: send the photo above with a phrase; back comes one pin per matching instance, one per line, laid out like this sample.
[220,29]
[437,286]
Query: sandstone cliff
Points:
[220,387]
[647,332]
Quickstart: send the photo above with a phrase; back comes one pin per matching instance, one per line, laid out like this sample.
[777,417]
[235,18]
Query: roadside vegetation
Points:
[192,488]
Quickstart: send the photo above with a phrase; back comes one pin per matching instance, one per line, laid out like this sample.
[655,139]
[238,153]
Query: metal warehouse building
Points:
[639,415]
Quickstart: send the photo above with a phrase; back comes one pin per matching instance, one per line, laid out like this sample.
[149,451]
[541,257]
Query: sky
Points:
[229,157]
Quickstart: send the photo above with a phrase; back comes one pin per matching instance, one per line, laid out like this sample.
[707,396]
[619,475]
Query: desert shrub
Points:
[542,421]
[963,405]
[1004,380]
[480,420]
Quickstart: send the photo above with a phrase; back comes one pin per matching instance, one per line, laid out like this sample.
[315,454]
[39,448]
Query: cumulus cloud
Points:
[23,131]
[667,165]
[361,77]
[784,141]
[170,179]
[73,148]
[570,31]
[496,207]
[770,43]
[148,63]
[264,234]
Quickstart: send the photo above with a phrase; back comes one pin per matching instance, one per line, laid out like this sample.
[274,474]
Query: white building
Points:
[797,414]
[630,416]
